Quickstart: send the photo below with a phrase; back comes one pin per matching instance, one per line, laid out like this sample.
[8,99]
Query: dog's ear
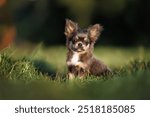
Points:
[95,31]
[70,28]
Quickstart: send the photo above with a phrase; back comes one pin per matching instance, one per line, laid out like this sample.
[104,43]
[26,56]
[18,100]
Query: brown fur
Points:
[83,63]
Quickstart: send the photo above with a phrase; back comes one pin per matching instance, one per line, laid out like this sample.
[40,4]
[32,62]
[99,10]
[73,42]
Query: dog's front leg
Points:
[71,76]
[72,72]
[83,73]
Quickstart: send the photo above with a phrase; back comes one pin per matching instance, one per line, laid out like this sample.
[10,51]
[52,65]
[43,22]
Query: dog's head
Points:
[80,40]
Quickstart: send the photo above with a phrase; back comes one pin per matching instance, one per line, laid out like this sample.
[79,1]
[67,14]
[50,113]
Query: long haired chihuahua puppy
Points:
[80,44]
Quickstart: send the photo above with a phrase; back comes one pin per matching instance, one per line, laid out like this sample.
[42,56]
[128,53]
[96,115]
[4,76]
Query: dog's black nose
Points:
[80,44]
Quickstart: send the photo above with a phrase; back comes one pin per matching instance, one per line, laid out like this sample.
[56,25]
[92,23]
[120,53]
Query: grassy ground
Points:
[39,73]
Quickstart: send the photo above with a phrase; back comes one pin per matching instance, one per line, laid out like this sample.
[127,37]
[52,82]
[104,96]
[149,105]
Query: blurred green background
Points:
[126,22]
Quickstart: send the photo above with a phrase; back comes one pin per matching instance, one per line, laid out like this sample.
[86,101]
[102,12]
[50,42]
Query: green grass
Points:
[39,73]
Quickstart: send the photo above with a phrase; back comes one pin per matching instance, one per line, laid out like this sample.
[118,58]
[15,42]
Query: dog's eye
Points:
[86,42]
[74,41]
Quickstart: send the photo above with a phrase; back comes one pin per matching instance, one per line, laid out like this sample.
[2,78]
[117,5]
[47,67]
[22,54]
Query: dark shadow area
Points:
[45,68]
[126,22]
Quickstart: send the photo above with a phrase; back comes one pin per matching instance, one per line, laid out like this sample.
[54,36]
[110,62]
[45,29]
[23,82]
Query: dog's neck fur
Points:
[78,58]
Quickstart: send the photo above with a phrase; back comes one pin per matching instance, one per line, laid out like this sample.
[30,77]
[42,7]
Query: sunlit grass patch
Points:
[41,74]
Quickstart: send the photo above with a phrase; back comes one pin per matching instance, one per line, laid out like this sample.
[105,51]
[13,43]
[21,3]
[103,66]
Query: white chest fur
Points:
[75,59]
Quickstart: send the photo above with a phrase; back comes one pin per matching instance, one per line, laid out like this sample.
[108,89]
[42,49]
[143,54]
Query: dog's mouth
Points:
[77,46]
[78,49]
